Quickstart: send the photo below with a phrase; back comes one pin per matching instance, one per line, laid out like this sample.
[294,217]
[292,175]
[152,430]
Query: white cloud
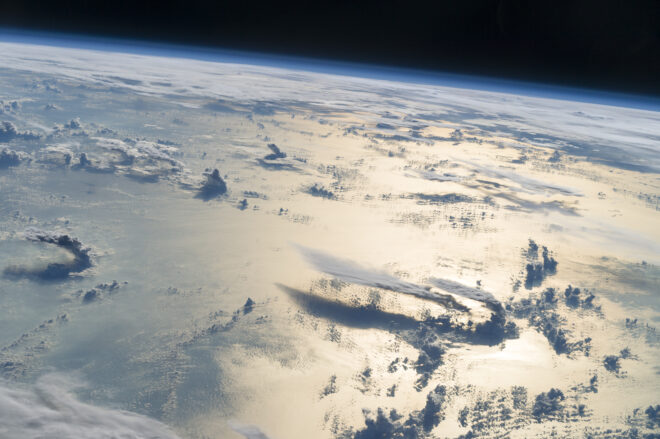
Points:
[49,410]
[349,271]
[249,431]
[626,133]
[527,184]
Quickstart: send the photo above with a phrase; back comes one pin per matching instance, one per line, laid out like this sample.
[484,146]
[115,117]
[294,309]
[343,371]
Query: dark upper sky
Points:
[604,44]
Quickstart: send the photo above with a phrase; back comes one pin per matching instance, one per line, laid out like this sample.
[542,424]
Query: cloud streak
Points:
[527,184]
[351,272]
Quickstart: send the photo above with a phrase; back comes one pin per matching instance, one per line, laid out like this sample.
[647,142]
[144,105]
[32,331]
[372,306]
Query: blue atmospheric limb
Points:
[368,71]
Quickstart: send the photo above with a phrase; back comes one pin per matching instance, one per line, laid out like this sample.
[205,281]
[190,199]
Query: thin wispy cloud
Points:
[352,272]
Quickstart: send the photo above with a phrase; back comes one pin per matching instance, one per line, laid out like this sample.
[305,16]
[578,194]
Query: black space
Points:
[603,44]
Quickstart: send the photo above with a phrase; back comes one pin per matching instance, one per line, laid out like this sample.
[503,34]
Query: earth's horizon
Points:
[199,249]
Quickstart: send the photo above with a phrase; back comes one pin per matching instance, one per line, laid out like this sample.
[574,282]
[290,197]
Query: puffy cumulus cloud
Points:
[213,187]
[8,131]
[141,150]
[276,153]
[418,424]
[537,271]
[138,159]
[548,404]
[98,166]
[574,299]
[100,291]
[73,124]
[613,364]
[156,151]
[9,158]
[9,106]
[83,161]
[543,313]
[56,155]
[49,410]
[319,191]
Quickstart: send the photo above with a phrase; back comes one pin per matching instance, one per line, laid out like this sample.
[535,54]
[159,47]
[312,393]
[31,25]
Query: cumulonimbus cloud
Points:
[351,272]
[80,261]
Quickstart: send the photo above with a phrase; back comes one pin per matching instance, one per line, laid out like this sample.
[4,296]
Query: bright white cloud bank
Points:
[49,410]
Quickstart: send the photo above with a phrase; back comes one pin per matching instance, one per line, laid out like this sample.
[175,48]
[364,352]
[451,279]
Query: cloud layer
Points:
[49,410]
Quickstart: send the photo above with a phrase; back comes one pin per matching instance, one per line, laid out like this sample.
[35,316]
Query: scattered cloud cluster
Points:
[419,424]
[467,116]
[9,158]
[17,358]
[537,271]
[9,132]
[9,106]
[138,159]
[100,291]
[317,190]
[542,313]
